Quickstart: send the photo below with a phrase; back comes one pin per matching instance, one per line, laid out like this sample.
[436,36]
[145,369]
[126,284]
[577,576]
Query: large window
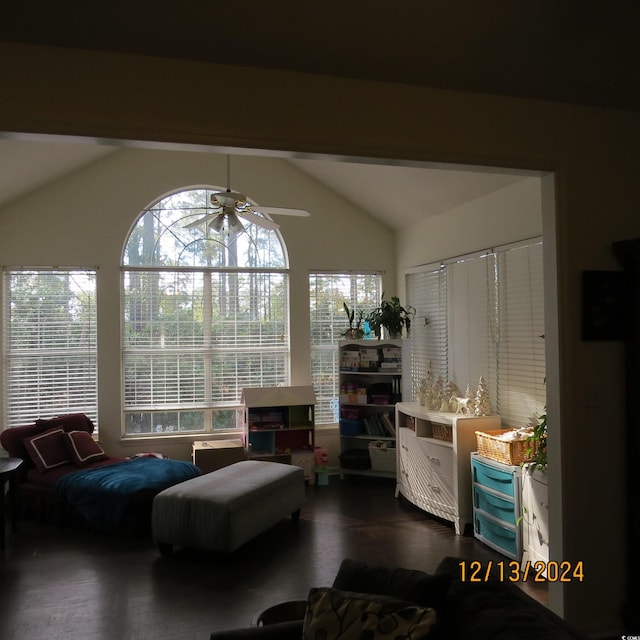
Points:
[327,293]
[486,318]
[206,313]
[49,344]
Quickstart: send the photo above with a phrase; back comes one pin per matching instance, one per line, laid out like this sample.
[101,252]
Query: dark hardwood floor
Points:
[60,583]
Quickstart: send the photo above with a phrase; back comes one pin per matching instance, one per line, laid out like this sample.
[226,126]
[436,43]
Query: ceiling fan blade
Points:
[201,221]
[282,211]
[259,221]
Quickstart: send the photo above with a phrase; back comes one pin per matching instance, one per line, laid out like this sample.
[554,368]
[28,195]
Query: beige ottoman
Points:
[222,510]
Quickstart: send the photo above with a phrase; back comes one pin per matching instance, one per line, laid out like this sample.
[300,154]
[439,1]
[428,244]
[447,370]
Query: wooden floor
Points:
[67,584]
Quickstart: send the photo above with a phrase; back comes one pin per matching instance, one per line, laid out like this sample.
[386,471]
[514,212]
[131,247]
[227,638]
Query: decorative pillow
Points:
[428,590]
[343,615]
[82,448]
[47,450]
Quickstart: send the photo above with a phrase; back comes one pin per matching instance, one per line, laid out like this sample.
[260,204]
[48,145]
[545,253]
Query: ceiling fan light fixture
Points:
[216,223]
[238,210]
[234,223]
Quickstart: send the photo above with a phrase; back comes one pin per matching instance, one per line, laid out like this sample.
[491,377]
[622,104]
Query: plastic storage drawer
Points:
[496,479]
[497,535]
[494,505]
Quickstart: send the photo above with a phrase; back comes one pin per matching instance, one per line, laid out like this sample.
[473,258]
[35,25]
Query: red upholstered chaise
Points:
[36,487]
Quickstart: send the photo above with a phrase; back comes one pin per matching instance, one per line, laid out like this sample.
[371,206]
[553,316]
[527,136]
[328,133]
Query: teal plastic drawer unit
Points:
[497,507]
[494,505]
[497,535]
[490,476]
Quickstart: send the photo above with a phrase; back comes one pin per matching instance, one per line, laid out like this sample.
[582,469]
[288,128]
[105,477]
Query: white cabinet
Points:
[535,516]
[433,452]
[371,382]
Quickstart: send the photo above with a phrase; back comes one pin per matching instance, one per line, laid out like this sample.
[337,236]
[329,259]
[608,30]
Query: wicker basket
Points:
[442,431]
[506,451]
[383,458]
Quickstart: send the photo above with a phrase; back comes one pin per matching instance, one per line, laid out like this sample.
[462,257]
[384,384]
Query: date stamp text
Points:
[514,571]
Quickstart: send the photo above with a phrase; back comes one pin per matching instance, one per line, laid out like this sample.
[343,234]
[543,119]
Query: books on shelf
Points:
[379,424]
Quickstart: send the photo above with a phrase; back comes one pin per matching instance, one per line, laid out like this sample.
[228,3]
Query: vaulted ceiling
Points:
[575,52]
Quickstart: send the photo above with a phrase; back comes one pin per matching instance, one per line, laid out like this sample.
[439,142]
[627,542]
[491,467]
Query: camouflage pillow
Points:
[344,615]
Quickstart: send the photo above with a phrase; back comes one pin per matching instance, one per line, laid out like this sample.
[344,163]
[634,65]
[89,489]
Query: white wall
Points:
[507,215]
[83,220]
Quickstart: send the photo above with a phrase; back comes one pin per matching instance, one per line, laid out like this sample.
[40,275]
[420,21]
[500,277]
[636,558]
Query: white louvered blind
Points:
[427,292]
[50,350]
[327,293]
[486,318]
[471,284]
[194,340]
[520,352]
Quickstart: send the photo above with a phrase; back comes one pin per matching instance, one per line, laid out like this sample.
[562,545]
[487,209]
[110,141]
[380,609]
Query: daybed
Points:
[68,478]
[378,602]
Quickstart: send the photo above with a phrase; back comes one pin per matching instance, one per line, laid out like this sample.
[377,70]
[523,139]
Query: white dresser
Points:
[433,452]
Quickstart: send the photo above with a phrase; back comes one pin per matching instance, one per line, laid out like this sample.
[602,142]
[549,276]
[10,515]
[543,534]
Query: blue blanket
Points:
[102,495]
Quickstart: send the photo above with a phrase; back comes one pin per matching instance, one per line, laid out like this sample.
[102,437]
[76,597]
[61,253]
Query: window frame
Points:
[205,347]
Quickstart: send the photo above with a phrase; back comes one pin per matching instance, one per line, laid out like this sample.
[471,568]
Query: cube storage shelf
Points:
[497,507]
[280,425]
[371,382]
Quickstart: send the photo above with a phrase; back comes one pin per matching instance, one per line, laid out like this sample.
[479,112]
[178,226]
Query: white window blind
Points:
[471,283]
[427,292]
[50,348]
[486,318]
[327,293]
[520,360]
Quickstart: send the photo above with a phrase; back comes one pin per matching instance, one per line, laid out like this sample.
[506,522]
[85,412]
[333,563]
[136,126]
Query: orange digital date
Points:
[514,571]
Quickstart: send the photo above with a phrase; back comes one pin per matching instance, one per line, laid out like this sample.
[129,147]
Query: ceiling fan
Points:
[233,206]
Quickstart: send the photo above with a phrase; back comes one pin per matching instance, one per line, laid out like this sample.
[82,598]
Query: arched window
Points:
[205,314]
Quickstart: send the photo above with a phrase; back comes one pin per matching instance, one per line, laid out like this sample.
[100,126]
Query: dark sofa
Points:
[487,610]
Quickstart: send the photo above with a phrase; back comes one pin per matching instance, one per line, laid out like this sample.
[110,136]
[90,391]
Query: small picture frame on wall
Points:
[604,305]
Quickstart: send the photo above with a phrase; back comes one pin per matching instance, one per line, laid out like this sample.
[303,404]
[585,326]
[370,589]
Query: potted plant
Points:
[391,316]
[354,332]
[538,445]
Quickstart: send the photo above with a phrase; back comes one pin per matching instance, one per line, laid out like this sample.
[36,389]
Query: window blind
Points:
[485,318]
[50,347]
[327,293]
[427,292]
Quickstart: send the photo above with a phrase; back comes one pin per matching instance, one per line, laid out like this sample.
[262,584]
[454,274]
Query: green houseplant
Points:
[355,331]
[392,316]
[538,445]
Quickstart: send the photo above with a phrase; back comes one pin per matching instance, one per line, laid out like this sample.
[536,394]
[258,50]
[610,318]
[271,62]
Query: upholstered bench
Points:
[222,510]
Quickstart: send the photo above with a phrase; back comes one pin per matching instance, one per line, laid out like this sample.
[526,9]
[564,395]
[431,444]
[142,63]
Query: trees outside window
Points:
[205,314]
